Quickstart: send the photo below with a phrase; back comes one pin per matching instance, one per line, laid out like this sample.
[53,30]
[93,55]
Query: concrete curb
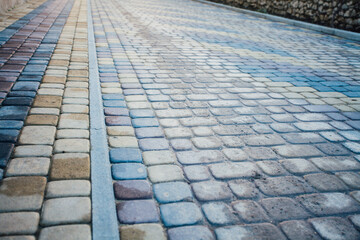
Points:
[104,219]
[328,30]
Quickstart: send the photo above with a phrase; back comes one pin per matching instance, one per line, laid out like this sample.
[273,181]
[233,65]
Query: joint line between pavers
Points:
[104,221]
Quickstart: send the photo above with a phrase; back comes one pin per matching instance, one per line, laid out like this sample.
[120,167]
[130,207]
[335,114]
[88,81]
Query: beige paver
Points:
[70,166]
[33,151]
[71,145]
[165,173]
[120,131]
[74,120]
[22,193]
[68,232]
[47,101]
[158,157]
[121,141]
[68,188]
[38,135]
[42,120]
[72,133]
[19,223]
[28,166]
[142,231]
[66,210]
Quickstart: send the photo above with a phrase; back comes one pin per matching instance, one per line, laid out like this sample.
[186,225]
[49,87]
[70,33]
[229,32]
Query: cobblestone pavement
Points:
[219,125]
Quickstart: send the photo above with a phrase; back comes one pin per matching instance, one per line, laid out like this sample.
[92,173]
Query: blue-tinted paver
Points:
[26,86]
[113,96]
[141,113]
[180,214]
[148,132]
[11,124]
[191,233]
[145,122]
[114,103]
[13,112]
[9,135]
[125,155]
[127,171]
[172,192]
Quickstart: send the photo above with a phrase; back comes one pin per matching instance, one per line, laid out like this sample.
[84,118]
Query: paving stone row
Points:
[45,193]
[24,59]
[258,163]
[19,15]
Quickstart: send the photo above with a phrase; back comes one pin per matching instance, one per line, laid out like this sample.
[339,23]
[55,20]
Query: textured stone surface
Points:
[142,232]
[125,171]
[22,193]
[218,213]
[250,211]
[296,229]
[211,190]
[283,186]
[71,145]
[158,157]
[179,214]
[197,173]
[164,173]
[33,151]
[199,157]
[41,120]
[172,192]
[37,135]
[284,208]
[123,142]
[256,231]
[125,155]
[298,151]
[70,166]
[329,203]
[66,210]
[76,231]
[233,170]
[334,228]
[190,233]
[153,144]
[325,182]
[243,188]
[28,166]
[139,211]
[19,223]
[68,188]
[132,189]
[47,101]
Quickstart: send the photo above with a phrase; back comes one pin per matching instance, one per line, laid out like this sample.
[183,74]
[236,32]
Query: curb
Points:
[328,30]
[104,219]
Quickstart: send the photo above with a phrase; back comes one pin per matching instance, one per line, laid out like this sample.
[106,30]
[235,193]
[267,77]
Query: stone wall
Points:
[344,14]
[6,5]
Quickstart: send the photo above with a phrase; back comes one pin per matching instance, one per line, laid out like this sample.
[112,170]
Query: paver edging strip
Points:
[327,30]
[104,220]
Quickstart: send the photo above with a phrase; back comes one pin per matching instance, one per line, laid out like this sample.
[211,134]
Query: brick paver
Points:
[219,125]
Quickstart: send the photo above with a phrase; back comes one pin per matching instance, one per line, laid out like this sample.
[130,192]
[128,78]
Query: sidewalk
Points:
[175,120]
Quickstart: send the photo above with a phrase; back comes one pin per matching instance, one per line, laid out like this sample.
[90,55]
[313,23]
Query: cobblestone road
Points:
[219,125]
